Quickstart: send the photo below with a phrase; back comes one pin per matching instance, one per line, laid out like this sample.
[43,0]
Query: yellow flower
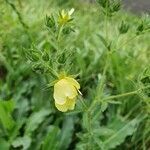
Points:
[65,93]
[64,16]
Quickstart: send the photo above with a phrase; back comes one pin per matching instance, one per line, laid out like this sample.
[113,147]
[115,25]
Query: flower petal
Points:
[63,90]
[68,105]
[63,13]
[59,94]
[73,82]
[62,108]
[71,11]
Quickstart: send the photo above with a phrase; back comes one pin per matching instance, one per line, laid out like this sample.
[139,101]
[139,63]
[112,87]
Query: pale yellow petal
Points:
[63,90]
[73,82]
[71,11]
[59,94]
[68,105]
[63,13]
[62,108]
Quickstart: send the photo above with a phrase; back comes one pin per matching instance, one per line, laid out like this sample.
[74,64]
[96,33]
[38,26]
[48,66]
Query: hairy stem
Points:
[126,94]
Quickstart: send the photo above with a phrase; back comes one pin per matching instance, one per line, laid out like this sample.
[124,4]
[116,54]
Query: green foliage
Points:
[6,108]
[107,50]
[23,142]
[4,144]
[109,7]
[144,25]
[112,135]
[67,132]
[35,119]
[121,130]
[123,28]
[51,140]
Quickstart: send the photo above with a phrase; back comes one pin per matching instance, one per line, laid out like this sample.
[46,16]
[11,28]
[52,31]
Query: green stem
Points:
[106,21]
[59,33]
[18,14]
[101,85]
[128,41]
[132,110]
[90,131]
[83,103]
[117,96]
[20,3]
[102,82]
[126,94]
[25,26]
[121,95]
[7,65]
[51,70]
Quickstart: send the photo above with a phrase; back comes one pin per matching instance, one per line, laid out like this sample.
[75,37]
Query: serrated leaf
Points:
[119,136]
[35,120]
[25,142]
[6,107]
[103,131]
[67,131]
[51,141]
[85,121]
[103,40]
[104,106]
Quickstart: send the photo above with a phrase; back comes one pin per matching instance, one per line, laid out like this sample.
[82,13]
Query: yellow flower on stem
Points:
[65,93]
[64,16]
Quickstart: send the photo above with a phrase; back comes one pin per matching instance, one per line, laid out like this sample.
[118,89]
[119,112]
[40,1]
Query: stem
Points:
[129,40]
[117,96]
[52,71]
[7,65]
[106,18]
[59,33]
[102,82]
[106,31]
[20,3]
[132,110]
[18,14]
[25,26]
[121,95]
[101,85]
[90,134]
[126,94]
[83,103]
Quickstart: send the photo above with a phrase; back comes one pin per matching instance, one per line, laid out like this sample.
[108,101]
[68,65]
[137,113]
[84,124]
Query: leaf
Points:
[124,130]
[35,120]
[103,131]
[16,130]
[25,142]
[104,106]
[106,44]
[103,40]
[6,108]
[4,145]
[9,105]
[85,123]
[67,131]
[51,141]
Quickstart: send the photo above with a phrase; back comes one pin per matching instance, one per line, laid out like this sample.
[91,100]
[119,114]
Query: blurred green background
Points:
[28,118]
